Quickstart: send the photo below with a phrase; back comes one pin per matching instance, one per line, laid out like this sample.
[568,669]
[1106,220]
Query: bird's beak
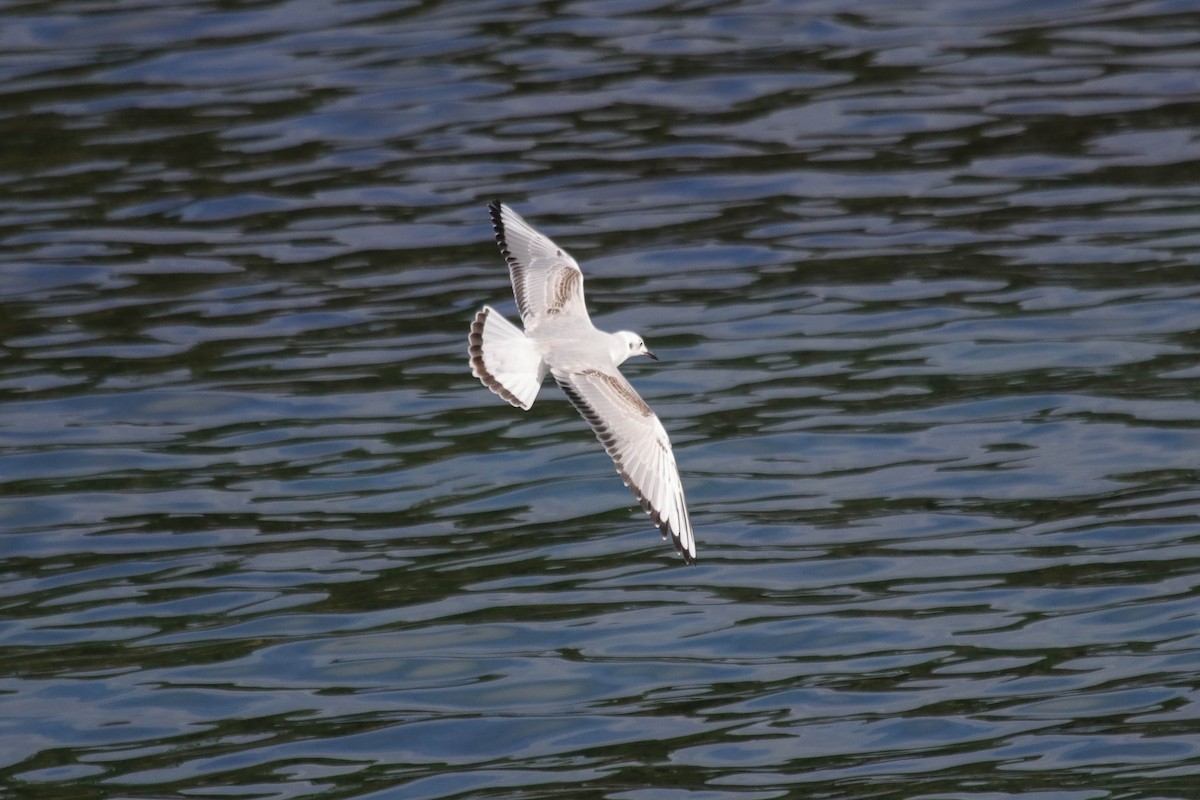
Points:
[651,355]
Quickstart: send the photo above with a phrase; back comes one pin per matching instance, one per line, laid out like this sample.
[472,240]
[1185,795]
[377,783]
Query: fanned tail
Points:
[504,358]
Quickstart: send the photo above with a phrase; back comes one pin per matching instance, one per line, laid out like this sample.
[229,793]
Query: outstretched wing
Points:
[546,280]
[638,445]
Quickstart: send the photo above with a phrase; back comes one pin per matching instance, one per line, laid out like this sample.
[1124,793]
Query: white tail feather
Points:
[504,359]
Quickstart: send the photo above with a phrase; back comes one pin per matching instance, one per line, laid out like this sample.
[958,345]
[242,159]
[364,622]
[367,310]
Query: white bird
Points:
[559,338]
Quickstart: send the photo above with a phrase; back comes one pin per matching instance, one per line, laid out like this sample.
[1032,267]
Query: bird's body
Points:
[559,339]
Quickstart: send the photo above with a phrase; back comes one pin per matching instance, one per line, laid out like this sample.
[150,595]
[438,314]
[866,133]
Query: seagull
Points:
[559,339]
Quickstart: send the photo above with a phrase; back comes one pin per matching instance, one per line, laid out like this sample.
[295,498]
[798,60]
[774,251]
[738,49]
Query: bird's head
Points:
[629,344]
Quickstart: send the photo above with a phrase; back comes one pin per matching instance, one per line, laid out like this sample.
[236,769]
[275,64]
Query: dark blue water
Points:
[923,278]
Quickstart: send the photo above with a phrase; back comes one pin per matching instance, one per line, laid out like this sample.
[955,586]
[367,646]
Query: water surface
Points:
[923,282]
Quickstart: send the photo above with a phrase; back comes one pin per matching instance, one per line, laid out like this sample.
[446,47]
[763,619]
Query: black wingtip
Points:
[496,209]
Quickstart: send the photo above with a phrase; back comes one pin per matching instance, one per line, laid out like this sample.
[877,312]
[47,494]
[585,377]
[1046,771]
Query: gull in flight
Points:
[559,338]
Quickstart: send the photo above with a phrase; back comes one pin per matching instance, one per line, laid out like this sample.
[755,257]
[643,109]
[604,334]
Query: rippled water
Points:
[923,278]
